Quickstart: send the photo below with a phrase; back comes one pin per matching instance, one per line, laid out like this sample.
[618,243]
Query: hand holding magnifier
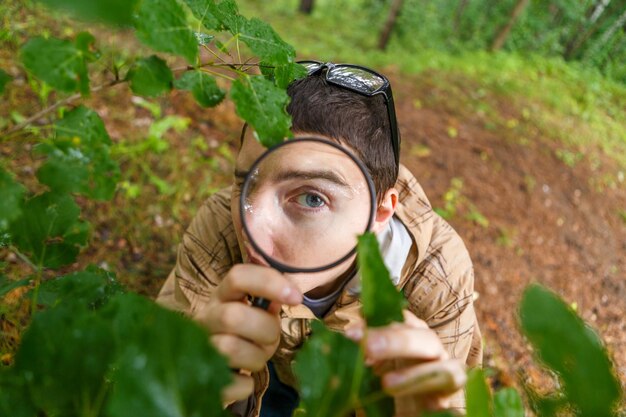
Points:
[303,204]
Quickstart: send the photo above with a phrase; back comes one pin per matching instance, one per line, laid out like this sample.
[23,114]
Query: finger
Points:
[413,321]
[241,354]
[239,319]
[402,342]
[441,377]
[241,388]
[258,281]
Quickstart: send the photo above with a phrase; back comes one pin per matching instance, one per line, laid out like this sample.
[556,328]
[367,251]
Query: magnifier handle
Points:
[260,302]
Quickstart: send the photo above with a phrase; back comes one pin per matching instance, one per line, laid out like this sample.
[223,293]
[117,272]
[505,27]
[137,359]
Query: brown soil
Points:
[548,222]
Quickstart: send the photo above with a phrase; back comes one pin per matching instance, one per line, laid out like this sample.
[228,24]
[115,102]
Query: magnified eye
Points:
[310,200]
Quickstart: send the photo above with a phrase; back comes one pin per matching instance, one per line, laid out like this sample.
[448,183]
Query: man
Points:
[422,360]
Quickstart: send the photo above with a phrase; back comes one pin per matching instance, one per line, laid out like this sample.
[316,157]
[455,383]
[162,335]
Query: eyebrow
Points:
[308,175]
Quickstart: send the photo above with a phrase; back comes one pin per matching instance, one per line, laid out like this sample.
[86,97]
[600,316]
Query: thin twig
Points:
[56,105]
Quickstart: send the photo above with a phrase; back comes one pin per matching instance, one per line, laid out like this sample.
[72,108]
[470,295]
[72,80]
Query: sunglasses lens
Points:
[357,79]
[311,66]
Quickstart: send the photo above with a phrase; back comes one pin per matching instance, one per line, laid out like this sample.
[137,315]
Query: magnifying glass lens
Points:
[304,203]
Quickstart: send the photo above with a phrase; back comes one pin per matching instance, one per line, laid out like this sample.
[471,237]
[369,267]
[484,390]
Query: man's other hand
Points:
[248,336]
[414,367]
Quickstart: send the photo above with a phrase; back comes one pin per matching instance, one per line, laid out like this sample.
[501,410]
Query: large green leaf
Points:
[285,74]
[118,12]
[382,303]
[12,193]
[166,365]
[49,230]
[5,78]
[79,158]
[206,12]
[263,105]
[573,350]
[508,403]
[150,77]
[162,25]
[64,357]
[203,87]
[330,369]
[14,397]
[266,43]
[477,395]
[91,288]
[60,63]
[7,285]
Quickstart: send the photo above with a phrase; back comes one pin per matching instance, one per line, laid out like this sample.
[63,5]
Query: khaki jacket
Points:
[437,280]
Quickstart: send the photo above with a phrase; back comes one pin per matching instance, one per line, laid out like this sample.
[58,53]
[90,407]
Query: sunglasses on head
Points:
[363,81]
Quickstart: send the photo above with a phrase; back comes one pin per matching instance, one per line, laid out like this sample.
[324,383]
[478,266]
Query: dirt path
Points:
[547,223]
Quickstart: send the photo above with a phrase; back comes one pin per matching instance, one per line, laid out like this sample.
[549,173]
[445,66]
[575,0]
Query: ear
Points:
[385,210]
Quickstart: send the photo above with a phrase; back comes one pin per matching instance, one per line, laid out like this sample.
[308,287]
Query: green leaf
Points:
[5,78]
[206,12]
[260,103]
[203,38]
[336,363]
[7,285]
[79,157]
[477,395]
[202,86]
[166,366]
[162,25]
[15,400]
[150,77]
[49,230]
[508,403]
[91,289]
[573,350]
[119,12]
[285,74]
[60,63]
[266,43]
[12,193]
[64,356]
[382,303]
[371,387]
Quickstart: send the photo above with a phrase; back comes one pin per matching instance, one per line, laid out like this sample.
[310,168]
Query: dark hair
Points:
[357,121]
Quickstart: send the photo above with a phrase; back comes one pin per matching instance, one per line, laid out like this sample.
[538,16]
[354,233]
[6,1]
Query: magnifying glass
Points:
[303,204]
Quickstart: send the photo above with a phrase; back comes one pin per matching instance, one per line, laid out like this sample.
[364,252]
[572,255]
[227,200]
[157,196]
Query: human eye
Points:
[310,200]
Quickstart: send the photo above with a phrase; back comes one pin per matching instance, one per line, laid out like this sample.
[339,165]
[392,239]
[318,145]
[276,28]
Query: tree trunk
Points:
[306,6]
[500,38]
[458,14]
[606,36]
[396,5]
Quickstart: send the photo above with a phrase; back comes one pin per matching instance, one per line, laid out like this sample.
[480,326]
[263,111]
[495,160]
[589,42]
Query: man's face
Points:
[305,209]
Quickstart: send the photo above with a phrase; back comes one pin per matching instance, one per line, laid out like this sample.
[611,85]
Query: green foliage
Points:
[150,77]
[5,78]
[60,63]
[261,103]
[119,12]
[342,382]
[78,158]
[162,25]
[265,43]
[507,403]
[49,230]
[12,192]
[574,351]
[203,87]
[478,396]
[382,303]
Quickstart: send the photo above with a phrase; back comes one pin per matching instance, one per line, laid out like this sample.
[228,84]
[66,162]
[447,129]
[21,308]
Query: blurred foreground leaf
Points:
[573,350]
[150,77]
[508,403]
[262,104]
[477,395]
[119,12]
[382,303]
[78,159]
[49,230]
[203,87]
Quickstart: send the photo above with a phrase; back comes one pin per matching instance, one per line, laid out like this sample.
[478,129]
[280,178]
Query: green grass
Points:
[567,102]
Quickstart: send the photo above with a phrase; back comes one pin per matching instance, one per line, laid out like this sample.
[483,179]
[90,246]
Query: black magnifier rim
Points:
[244,191]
